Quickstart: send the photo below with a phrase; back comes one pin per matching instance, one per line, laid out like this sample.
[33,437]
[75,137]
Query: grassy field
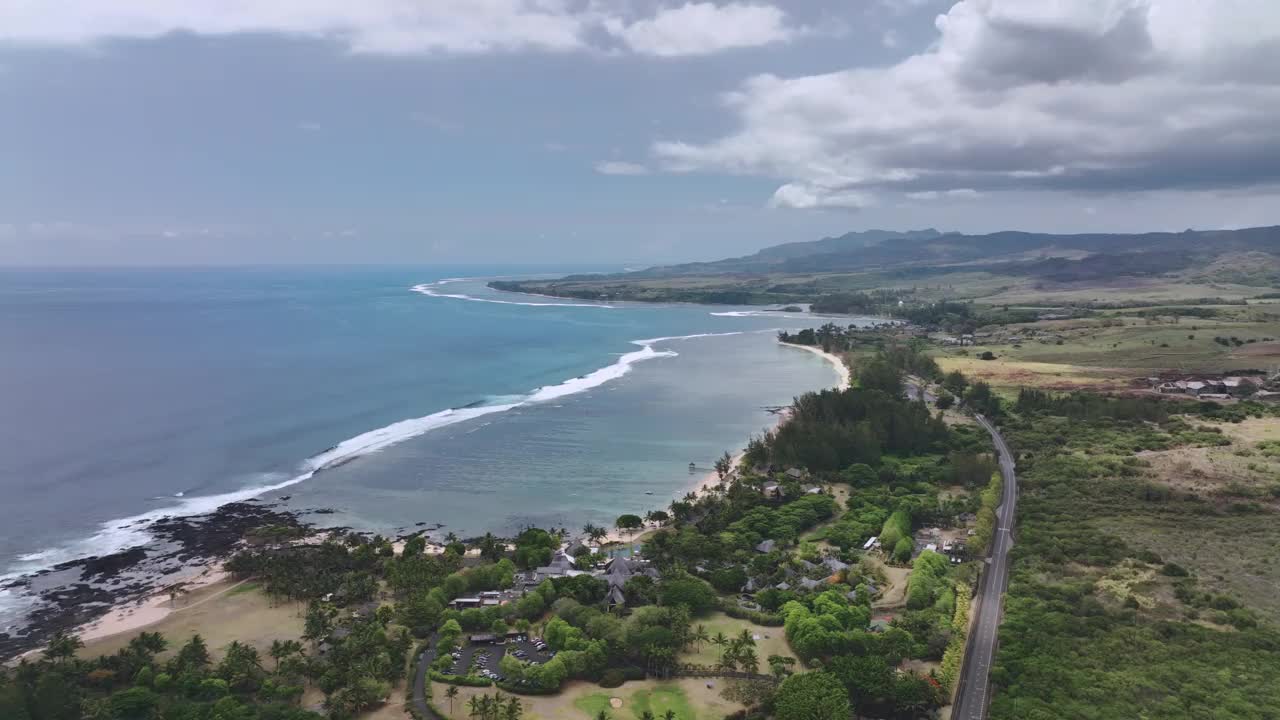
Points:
[1096,351]
[243,613]
[1005,373]
[769,640]
[690,698]
[1235,550]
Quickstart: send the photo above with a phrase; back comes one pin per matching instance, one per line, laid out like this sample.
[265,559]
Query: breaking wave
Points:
[117,535]
[432,289]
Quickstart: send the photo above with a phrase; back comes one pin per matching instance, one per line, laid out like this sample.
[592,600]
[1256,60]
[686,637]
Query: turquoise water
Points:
[394,400]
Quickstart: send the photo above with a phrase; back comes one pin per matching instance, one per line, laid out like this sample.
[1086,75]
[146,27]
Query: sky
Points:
[227,132]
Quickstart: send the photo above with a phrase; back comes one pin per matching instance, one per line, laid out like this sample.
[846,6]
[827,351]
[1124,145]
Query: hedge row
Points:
[468,680]
[738,612]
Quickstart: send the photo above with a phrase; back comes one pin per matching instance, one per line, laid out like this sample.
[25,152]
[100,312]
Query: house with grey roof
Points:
[835,565]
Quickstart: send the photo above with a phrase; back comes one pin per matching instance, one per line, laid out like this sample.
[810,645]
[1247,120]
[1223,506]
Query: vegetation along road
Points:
[975,679]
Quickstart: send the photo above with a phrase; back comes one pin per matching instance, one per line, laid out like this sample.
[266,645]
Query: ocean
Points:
[393,397]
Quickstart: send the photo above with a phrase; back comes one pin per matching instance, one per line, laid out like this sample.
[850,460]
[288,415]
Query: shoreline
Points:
[846,378]
[711,480]
[139,606]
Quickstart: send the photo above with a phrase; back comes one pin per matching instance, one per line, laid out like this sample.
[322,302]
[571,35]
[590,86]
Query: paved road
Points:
[420,680]
[974,693]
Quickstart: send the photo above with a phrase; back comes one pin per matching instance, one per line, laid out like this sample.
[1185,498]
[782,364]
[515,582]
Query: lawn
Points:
[770,640]
[219,615]
[1092,354]
[689,698]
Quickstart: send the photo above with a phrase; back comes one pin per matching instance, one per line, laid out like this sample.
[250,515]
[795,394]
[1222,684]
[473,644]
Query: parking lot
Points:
[486,656]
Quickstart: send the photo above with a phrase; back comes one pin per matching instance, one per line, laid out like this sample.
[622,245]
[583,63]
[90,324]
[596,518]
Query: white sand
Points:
[151,608]
[836,362]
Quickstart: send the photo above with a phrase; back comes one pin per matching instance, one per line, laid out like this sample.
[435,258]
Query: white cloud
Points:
[953,194]
[702,28]
[409,26]
[618,167]
[809,197]
[1024,94]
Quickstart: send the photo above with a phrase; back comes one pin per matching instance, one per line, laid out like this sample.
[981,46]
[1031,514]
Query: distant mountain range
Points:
[1084,255]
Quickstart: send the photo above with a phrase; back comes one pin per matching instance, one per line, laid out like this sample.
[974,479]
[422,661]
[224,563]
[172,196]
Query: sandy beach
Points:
[153,607]
[845,377]
[711,479]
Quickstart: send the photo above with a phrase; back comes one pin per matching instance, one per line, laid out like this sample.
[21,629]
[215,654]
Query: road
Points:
[974,692]
[419,698]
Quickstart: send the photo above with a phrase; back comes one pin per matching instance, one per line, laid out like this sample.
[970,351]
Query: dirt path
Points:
[895,595]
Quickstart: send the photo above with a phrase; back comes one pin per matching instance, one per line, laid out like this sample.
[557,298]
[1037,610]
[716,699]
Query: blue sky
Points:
[629,131]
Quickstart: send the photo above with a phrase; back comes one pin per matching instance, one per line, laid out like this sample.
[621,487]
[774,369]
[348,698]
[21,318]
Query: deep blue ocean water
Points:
[130,393]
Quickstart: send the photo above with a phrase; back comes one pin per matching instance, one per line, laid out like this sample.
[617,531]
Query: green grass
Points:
[247,587]
[660,700]
[657,701]
[709,654]
[593,704]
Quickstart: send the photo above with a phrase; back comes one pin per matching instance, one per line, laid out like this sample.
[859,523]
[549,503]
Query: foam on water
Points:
[117,535]
[431,289]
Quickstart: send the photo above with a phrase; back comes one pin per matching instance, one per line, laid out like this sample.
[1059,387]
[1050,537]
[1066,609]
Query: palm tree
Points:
[473,706]
[603,715]
[63,646]
[669,715]
[514,709]
[700,636]
[720,641]
[451,692]
[647,715]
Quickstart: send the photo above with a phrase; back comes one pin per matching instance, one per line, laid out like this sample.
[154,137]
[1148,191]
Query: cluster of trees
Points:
[895,536]
[133,684]
[493,707]
[1070,647]
[834,429]
[784,523]
[831,630]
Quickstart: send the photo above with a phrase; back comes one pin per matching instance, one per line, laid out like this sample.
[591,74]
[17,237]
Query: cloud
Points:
[809,197]
[404,27]
[702,28]
[618,167]
[954,194]
[1023,94]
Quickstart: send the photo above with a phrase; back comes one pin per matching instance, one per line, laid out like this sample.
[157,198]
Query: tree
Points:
[62,647]
[860,475]
[319,621]
[281,649]
[136,703]
[451,692]
[689,591]
[629,523]
[657,516]
[193,656]
[240,667]
[812,696]
[724,465]
[781,666]
[955,382]
[700,635]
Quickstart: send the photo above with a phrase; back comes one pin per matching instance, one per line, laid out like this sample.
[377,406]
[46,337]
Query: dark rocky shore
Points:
[76,592]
